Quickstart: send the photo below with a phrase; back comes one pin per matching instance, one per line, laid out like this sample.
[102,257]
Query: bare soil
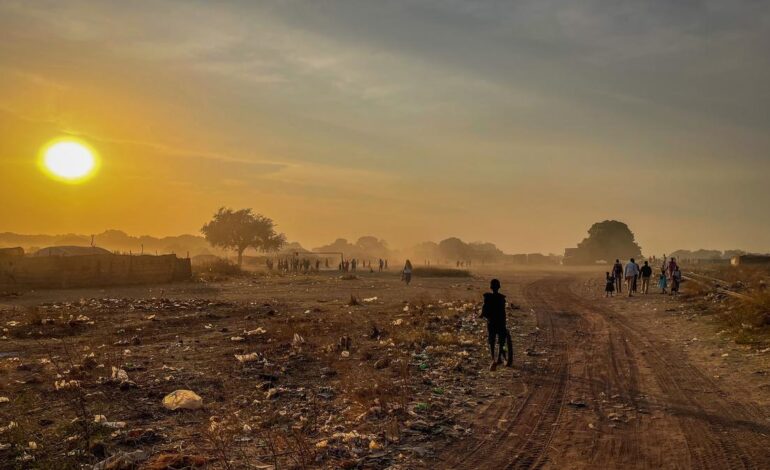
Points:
[364,372]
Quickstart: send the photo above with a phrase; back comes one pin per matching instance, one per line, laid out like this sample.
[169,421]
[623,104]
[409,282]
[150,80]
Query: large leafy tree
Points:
[606,241]
[241,229]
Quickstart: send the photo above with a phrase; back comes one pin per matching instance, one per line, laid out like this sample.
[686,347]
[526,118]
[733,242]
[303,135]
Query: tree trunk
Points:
[240,256]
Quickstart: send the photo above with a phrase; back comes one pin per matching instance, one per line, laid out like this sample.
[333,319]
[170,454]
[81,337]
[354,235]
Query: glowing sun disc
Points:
[69,160]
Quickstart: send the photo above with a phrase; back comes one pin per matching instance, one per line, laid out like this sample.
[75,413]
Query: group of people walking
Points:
[306,265]
[353,264]
[632,273]
[295,264]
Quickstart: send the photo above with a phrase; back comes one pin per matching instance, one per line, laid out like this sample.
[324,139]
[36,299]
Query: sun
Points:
[69,160]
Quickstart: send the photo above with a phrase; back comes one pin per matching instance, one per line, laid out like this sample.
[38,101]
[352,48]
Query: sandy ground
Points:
[396,381]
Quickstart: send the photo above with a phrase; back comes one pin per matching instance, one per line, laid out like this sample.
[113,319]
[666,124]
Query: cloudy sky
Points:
[516,122]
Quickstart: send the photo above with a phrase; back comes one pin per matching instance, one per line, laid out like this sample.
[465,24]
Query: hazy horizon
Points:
[519,125]
[406,247]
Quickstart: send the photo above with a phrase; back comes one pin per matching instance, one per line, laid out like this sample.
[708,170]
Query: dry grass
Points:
[217,269]
[748,276]
[749,320]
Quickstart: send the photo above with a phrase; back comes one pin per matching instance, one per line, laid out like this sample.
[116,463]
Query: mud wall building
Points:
[750,260]
[61,272]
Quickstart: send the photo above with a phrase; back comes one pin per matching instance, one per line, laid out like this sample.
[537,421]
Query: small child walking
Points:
[662,282]
[609,287]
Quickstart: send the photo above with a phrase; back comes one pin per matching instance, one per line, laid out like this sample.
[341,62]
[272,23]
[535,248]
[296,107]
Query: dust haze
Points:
[384,235]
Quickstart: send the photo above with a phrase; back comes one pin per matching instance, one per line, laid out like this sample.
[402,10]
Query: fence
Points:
[61,272]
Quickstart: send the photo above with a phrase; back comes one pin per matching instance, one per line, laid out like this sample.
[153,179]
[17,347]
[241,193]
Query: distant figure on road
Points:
[617,273]
[609,286]
[646,275]
[662,281]
[636,278]
[494,312]
[632,271]
[676,279]
[382,263]
[406,274]
[672,266]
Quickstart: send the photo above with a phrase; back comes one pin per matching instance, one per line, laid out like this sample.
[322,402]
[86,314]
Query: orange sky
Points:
[409,121]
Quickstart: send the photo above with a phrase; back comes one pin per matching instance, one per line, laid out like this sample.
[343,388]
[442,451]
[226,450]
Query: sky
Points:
[515,122]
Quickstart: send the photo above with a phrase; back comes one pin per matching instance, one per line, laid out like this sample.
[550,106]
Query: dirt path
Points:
[601,389]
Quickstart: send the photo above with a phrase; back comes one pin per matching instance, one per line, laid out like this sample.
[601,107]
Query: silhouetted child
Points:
[662,281]
[494,311]
[609,287]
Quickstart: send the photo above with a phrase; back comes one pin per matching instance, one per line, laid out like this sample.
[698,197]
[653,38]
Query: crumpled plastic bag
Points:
[182,400]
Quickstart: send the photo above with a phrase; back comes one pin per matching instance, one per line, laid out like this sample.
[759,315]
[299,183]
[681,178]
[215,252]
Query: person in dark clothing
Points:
[494,312]
[609,285]
[646,275]
[617,273]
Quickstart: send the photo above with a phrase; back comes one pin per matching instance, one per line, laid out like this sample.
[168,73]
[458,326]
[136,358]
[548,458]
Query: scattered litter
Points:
[122,461]
[247,357]
[66,384]
[182,399]
[119,374]
[101,419]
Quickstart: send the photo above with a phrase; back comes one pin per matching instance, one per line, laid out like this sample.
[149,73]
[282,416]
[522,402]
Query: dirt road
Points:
[599,388]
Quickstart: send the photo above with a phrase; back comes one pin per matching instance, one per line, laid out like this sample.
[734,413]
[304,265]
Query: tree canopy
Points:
[242,229]
[606,241]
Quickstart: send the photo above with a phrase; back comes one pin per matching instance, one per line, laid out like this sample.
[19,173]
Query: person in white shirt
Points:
[631,272]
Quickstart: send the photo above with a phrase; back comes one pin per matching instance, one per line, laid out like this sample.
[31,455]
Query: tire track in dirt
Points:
[672,415]
[720,433]
[531,420]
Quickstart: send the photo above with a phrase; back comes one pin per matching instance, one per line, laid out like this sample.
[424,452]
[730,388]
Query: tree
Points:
[372,247]
[606,241]
[238,230]
[454,249]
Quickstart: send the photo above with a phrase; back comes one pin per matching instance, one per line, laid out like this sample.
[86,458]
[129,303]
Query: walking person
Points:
[676,279]
[646,275]
[671,267]
[617,274]
[406,274]
[632,271]
[609,285]
[636,278]
[493,311]
[662,281]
